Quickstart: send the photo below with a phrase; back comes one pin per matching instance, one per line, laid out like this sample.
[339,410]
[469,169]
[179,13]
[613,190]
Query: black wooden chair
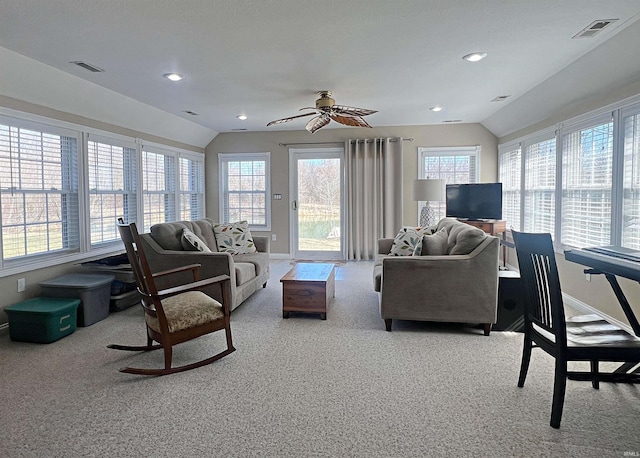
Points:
[581,338]
[176,314]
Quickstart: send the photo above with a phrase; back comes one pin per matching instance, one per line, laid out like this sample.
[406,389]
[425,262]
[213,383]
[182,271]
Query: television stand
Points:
[492,227]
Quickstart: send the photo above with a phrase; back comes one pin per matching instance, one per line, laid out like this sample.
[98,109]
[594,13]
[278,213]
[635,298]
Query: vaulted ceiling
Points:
[267,58]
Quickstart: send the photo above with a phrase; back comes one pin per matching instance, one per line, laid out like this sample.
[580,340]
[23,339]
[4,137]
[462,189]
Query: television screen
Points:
[474,201]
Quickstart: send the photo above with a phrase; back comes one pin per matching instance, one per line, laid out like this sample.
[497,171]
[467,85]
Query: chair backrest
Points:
[144,277]
[541,284]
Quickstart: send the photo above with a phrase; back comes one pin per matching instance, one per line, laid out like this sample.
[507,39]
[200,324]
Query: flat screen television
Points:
[474,201]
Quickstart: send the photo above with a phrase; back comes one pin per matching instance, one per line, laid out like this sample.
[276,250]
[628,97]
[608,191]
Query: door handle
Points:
[294,205]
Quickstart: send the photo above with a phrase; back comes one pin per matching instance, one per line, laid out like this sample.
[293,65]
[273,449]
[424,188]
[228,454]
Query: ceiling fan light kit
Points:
[326,110]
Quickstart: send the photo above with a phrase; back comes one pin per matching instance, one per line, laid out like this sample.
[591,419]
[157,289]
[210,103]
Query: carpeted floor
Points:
[304,387]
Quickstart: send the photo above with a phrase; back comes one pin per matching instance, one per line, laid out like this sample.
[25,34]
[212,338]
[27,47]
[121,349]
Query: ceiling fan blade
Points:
[352,111]
[354,121]
[291,118]
[317,123]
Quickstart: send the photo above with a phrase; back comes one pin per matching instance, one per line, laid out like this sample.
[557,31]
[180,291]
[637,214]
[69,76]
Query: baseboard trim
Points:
[587,309]
[279,256]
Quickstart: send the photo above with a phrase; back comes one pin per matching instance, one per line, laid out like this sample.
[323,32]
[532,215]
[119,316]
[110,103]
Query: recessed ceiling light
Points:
[241,117]
[173,76]
[436,108]
[475,57]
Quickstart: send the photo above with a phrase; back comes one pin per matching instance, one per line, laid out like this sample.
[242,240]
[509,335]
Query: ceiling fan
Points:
[326,109]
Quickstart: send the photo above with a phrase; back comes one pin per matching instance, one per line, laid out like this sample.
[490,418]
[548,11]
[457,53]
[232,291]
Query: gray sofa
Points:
[165,250]
[460,286]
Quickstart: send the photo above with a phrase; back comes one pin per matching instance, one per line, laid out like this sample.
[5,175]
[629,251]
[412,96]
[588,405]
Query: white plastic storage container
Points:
[92,290]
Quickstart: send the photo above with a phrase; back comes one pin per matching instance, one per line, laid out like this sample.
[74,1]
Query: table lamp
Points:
[426,191]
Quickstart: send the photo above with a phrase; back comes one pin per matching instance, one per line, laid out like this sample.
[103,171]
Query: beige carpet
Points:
[304,387]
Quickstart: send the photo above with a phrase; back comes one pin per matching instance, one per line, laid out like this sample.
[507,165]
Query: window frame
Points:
[616,113]
[445,151]
[225,158]
[82,134]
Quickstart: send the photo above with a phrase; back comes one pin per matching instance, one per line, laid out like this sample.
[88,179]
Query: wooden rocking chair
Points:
[176,314]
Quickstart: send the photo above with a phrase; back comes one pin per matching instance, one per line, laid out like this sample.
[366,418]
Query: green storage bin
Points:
[42,320]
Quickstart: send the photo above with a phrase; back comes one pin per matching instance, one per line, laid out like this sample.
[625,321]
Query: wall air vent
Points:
[594,28]
[86,66]
[192,113]
[452,120]
[501,98]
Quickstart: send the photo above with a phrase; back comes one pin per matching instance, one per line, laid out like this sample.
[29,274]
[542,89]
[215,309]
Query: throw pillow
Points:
[191,242]
[234,238]
[467,240]
[436,244]
[408,242]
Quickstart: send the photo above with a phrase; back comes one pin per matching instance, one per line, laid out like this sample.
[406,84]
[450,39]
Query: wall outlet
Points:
[273,237]
[22,284]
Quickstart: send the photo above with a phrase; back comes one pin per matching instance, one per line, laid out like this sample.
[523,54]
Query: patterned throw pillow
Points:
[191,242]
[408,242]
[234,238]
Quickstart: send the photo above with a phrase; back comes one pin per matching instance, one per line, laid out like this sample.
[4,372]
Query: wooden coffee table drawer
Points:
[308,287]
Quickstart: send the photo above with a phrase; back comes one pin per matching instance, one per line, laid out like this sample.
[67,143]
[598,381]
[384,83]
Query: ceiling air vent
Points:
[452,120]
[86,66]
[192,113]
[501,98]
[594,28]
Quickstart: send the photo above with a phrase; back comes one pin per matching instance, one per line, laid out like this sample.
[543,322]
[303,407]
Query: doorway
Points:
[317,215]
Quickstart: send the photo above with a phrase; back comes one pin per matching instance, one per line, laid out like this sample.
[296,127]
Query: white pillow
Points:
[234,238]
[191,242]
[408,242]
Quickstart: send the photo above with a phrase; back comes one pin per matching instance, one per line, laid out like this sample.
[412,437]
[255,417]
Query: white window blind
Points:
[539,186]
[191,188]
[631,191]
[158,187]
[38,190]
[112,188]
[509,174]
[453,165]
[244,189]
[587,165]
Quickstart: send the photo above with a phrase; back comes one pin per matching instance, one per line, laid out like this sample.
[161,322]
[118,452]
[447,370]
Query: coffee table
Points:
[308,287]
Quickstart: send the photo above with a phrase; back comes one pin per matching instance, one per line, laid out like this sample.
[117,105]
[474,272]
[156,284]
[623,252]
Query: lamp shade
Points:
[428,190]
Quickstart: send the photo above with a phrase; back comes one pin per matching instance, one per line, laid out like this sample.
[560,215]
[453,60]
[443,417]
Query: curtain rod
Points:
[338,143]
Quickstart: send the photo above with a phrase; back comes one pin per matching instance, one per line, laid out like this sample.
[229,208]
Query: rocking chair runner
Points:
[176,314]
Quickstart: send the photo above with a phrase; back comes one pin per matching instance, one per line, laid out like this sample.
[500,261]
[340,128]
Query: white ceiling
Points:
[267,58]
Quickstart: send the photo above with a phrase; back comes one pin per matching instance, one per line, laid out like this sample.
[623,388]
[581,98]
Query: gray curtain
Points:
[373,170]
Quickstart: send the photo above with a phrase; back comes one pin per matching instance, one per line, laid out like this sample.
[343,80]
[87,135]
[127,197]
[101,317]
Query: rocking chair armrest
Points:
[193,286]
[195,268]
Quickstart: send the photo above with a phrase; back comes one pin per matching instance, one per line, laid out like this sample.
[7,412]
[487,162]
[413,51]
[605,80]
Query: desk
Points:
[492,227]
[611,267]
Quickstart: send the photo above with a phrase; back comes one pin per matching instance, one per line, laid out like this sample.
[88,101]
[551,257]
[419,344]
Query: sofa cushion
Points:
[466,240]
[436,244]
[245,271]
[191,242]
[259,260]
[408,241]
[169,235]
[234,238]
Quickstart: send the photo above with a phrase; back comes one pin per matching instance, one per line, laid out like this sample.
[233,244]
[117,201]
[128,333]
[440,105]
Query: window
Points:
[631,182]
[456,165]
[112,187]
[540,186]
[191,187]
[245,189]
[587,167]
[38,190]
[509,174]
[158,187]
